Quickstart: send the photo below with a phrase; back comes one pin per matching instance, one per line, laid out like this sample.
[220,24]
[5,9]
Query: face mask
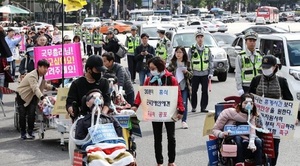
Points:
[154,72]
[267,72]
[96,76]
[248,106]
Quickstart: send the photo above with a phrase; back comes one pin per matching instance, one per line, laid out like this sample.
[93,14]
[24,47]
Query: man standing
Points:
[202,66]
[29,92]
[112,45]
[89,38]
[97,41]
[247,64]
[76,30]
[131,43]
[163,47]
[11,42]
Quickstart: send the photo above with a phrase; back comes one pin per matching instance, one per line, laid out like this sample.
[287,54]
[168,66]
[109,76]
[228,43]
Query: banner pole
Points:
[62,45]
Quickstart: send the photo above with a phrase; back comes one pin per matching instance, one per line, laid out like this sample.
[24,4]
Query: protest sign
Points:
[60,103]
[268,145]
[102,132]
[278,116]
[72,60]
[208,123]
[212,150]
[159,103]
[237,130]
[124,120]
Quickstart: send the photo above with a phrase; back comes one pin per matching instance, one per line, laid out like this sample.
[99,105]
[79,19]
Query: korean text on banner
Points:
[212,150]
[159,103]
[208,123]
[72,60]
[60,104]
[278,115]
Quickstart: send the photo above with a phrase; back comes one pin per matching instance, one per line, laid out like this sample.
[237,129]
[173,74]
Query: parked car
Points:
[260,21]
[206,25]
[91,22]
[186,38]
[220,25]
[209,17]
[39,25]
[117,27]
[264,29]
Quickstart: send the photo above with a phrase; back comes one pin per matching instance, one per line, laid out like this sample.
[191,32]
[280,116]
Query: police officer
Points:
[131,43]
[97,41]
[83,37]
[247,64]
[202,66]
[163,47]
[89,42]
[76,30]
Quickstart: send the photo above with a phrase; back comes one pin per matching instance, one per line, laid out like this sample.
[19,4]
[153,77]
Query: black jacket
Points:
[29,68]
[139,57]
[285,91]
[112,46]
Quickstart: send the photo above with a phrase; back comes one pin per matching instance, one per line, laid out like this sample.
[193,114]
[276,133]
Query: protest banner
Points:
[279,116]
[237,130]
[268,145]
[60,103]
[159,103]
[212,150]
[102,132]
[208,123]
[72,60]
[22,43]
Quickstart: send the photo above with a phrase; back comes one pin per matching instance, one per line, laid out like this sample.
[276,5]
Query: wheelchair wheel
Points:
[16,116]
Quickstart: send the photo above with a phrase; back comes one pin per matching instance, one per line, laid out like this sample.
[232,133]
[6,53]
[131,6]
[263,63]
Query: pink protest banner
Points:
[72,60]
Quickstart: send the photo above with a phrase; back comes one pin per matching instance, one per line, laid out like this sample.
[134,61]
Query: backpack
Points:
[122,51]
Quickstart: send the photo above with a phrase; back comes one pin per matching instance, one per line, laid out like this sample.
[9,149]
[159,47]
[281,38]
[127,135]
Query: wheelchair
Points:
[230,102]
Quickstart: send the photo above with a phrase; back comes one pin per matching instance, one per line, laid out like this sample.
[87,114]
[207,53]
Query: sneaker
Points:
[194,110]
[23,135]
[31,135]
[184,125]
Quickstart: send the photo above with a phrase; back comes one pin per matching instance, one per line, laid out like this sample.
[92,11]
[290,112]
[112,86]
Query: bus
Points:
[217,12]
[162,12]
[134,14]
[201,12]
[269,13]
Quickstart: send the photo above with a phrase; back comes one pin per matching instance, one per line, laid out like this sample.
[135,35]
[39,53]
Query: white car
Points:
[220,25]
[186,38]
[91,22]
[206,25]
[39,25]
[260,21]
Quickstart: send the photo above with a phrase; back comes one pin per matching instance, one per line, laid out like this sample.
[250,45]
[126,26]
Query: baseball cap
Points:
[199,33]
[95,61]
[268,61]
[161,30]
[133,28]
[251,35]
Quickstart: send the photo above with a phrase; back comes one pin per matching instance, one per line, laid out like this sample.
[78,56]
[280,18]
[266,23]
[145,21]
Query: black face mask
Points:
[96,76]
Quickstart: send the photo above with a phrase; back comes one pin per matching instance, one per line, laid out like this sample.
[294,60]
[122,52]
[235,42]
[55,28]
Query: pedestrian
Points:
[112,45]
[97,41]
[203,70]
[84,34]
[76,39]
[29,92]
[56,35]
[11,42]
[161,77]
[180,63]
[247,64]
[270,85]
[163,47]
[41,41]
[42,32]
[143,53]
[89,38]
[132,42]
[27,63]
[92,79]
[119,71]
[67,39]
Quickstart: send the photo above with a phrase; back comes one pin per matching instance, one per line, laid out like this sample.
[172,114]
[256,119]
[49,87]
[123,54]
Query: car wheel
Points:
[231,69]
[116,31]
[222,77]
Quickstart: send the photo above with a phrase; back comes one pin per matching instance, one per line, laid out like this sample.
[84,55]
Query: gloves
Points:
[251,144]
[210,76]
[241,92]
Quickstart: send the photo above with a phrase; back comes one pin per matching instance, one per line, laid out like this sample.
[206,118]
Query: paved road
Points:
[191,147]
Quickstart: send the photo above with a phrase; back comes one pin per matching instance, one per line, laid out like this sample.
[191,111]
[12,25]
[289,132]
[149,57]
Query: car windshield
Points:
[227,39]
[294,52]
[188,39]
[151,31]
[88,20]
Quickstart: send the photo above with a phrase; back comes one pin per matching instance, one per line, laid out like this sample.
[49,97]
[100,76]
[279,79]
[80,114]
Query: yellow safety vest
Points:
[77,32]
[97,38]
[161,49]
[200,62]
[88,38]
[132,43]
[249,69]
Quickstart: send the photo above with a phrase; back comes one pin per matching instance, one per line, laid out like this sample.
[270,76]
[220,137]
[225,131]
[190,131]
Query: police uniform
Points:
[247,66]
[77,31]
[202,66]
[163,47]
[89,42]
[97,41]
[83,36]
[131,43]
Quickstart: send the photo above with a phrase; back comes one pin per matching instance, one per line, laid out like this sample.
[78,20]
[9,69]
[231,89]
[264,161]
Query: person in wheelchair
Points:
[238,116]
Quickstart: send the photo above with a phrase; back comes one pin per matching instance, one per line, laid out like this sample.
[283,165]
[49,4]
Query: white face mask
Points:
[154,72]
[267,72]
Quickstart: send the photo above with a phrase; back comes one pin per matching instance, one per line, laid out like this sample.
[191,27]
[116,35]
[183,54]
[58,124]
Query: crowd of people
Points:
[254,73]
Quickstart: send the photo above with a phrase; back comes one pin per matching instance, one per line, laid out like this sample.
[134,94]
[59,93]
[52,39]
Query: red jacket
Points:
[180,106]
